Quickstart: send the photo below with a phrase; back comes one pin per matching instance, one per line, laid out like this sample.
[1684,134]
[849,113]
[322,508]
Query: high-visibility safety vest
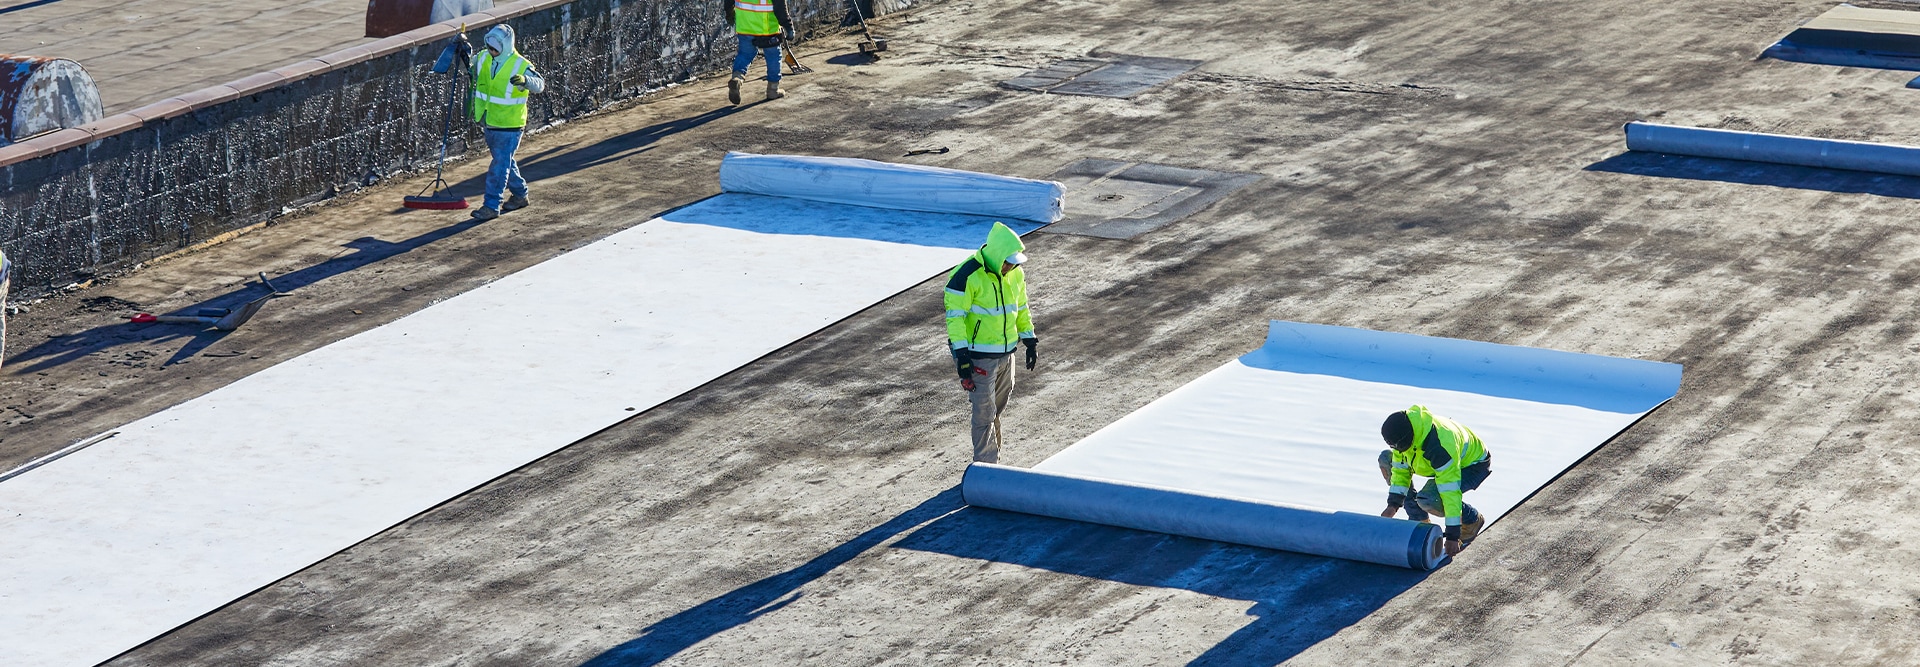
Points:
[1441,448]
[497,103]
[987,311]
[755,17]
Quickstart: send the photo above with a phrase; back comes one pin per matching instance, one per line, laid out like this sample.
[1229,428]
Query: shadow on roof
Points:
[1297,600]
[1759,173]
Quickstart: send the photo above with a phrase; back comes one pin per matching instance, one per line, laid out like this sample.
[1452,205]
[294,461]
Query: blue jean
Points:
[504,173]
[745,58]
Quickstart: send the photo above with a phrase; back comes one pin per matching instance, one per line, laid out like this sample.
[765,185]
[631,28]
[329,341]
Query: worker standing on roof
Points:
[502,80]
[1445,452]
[6,270]
[757,24]
[987,313]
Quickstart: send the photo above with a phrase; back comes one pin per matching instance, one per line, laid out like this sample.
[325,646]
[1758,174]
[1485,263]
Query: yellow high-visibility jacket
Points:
[1441,447]
[987,312]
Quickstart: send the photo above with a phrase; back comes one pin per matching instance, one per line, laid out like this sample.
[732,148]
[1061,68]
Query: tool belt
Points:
[766,41]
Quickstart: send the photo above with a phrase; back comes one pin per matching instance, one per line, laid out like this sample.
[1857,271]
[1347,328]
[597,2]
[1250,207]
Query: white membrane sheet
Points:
[198,505]
[1296,423]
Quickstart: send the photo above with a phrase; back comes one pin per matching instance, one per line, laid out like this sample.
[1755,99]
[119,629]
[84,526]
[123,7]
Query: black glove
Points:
[1033,351]
[963,360]
[462,48]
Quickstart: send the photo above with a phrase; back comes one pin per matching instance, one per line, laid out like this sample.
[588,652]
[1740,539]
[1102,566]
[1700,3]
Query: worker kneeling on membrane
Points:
[1452,459]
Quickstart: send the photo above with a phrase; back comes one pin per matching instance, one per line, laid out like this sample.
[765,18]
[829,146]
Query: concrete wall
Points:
[102,197]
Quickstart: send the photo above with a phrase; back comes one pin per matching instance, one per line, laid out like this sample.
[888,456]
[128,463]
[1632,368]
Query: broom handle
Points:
[446,122]
[446,127]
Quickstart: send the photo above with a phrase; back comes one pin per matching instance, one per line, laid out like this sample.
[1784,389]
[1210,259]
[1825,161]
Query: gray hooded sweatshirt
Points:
[500,39]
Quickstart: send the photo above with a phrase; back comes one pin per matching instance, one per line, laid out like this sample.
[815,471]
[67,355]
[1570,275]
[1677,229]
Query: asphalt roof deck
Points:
[1450,169]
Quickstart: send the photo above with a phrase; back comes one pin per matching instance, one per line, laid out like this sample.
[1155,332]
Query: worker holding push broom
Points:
[1445,452]
[502,80]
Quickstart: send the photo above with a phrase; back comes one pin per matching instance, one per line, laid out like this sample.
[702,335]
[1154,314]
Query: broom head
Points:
[435,201]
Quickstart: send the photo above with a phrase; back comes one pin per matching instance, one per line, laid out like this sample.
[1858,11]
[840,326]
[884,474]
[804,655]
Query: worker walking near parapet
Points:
[987,317]
[757,24]
[6,270]
[502,81]
[1445,452]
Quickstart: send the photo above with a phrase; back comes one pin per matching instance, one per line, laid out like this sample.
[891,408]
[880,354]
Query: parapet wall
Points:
[133,186]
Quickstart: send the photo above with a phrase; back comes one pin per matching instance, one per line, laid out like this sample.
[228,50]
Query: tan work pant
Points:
[989,397]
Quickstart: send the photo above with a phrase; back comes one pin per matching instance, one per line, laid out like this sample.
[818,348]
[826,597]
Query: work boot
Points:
[733,88]
[484,213]
[773,90]
[1469,530]
[514,203]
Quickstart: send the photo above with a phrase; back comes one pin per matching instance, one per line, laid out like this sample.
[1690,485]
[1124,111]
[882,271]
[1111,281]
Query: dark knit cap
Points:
[1397,430]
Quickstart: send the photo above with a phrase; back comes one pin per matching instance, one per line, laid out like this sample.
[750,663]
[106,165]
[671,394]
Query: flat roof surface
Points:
[1440,169]
[143,51]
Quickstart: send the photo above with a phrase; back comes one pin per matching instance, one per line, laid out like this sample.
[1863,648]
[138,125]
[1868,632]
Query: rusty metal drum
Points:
[39,95]
[386,18]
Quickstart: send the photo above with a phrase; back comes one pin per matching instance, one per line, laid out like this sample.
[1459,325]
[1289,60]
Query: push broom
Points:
[440,199]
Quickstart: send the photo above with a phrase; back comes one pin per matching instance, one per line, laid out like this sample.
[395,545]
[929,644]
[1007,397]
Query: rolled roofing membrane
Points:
[1775,148]
[202,503]
[1279,448]
[907,187]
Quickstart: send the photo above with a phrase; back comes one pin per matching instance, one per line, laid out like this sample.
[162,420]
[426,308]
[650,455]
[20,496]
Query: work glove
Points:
[963,361]
[518,80]
[1033,351]
[462,48]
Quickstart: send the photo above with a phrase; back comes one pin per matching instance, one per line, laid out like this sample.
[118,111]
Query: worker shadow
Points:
[1297,600]
[1743,172]
[66,348]
[681,631]
[566,159]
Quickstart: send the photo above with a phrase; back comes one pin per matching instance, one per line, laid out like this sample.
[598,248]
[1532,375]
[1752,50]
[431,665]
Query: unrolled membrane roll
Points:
[908,187]
[1348,535]
[1278,448]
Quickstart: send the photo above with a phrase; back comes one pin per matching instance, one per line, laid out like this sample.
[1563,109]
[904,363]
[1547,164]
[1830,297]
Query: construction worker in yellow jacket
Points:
[987,317]
[1452,459]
